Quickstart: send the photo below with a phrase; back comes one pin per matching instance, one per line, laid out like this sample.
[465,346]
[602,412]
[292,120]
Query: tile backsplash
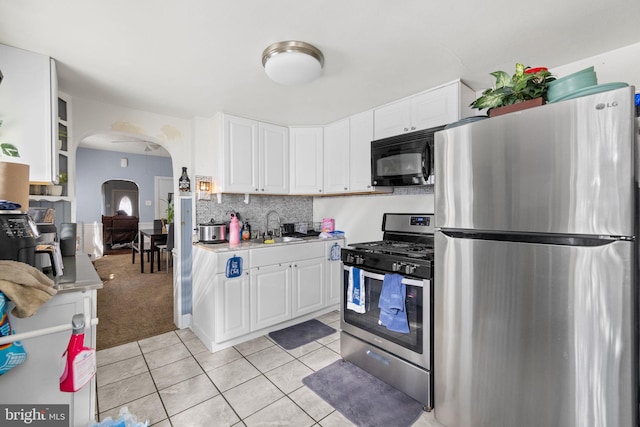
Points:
[290,209]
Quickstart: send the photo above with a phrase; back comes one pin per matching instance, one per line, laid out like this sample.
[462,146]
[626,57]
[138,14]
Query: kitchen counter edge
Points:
[79,274]
[254,244]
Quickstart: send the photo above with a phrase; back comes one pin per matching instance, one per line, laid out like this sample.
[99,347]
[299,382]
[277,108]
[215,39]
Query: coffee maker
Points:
[18,236]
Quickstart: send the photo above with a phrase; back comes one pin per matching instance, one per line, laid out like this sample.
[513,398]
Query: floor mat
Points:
[362,398]
[301,334]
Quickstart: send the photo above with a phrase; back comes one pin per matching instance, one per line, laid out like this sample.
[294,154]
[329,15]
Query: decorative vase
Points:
[535,102]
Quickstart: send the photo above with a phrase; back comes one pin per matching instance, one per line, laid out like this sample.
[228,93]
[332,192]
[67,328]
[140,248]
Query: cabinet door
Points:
[232,316]
[270,295]
[306,160]
[435,108]
[334,271]
[336,157]
[36,381]
[27,107]
[274,159]
[361,135]
[392,119]
[308,282]
[241,154]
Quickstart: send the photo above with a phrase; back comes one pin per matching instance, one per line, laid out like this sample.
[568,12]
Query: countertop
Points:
[78,274]
[258,243]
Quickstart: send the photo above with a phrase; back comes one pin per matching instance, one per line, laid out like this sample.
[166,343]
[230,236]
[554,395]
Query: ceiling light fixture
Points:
[292,62]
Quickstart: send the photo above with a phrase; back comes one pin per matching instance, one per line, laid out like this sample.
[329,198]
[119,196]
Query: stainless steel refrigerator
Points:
[535,281]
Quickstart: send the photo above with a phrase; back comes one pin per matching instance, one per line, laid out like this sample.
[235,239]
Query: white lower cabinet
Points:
[334,276]
[232,311]
[278,284]
[270,295]
[308,290]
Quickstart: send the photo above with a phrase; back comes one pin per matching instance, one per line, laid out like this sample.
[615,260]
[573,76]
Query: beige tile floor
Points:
[173,380]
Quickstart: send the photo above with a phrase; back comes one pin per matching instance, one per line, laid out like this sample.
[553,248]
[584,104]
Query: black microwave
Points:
[403,160]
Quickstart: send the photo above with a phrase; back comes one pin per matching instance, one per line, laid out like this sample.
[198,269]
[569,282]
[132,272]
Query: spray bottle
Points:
[80,363]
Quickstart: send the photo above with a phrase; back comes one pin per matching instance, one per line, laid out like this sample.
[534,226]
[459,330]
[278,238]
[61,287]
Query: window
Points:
[125,205]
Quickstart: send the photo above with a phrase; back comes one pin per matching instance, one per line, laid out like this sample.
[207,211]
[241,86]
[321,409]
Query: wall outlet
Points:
[147,202]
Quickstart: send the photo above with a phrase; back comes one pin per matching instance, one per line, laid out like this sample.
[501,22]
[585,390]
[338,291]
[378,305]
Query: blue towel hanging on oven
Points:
[355,291]
[393,314]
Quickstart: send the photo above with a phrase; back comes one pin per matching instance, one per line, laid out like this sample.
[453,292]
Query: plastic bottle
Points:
[234,230]
[184,183]
[246,230]
[80,365]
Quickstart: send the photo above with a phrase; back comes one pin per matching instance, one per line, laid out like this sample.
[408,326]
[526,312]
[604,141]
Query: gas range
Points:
[406,248]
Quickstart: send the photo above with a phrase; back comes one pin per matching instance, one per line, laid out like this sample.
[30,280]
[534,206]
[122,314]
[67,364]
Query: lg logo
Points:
[602,106]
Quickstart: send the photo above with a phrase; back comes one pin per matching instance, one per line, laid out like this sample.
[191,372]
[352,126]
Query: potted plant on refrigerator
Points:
[526,88]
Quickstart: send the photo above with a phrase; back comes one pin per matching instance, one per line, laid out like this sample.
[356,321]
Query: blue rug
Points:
[301,334]
[362,398]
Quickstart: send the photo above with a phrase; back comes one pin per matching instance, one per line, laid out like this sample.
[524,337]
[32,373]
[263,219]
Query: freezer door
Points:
[559,168]
[533,335]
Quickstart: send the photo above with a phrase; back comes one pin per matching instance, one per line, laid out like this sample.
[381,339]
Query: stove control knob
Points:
[396,266]
[410,268]
[359,260]
[349,258]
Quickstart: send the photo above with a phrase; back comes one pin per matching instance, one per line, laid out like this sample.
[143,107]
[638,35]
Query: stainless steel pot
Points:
[212,232]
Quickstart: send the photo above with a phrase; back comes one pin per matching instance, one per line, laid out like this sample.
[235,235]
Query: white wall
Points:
[360,217]
[620,65]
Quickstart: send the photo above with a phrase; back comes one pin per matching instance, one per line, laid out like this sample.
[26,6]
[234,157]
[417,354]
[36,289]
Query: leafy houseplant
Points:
[170,212]
[526,84]
[7,149]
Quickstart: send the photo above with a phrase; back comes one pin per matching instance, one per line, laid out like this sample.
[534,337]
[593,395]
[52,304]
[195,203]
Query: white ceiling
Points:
[198,57]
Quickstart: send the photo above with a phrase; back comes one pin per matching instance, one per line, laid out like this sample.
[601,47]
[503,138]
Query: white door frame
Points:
[161,183]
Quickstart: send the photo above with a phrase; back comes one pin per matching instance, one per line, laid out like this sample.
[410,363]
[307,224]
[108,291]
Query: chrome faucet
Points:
[277,230]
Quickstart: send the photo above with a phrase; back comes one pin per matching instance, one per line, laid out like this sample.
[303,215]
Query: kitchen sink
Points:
[286,239]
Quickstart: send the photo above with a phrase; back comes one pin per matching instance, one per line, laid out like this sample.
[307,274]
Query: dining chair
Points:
[143,248]
[166,247]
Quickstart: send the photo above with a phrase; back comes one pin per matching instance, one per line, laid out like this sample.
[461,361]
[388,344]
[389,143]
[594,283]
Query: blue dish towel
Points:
[392,308]
[355,291]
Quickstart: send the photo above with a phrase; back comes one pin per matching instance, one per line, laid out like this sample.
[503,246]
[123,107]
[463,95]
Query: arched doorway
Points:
[120,197]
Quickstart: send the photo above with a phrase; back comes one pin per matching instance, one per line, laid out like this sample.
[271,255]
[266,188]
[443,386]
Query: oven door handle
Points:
[406,281]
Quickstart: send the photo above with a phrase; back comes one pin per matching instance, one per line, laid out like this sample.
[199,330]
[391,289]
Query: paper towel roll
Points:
[14,183]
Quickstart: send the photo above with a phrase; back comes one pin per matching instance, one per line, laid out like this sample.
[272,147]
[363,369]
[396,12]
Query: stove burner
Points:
[411,249]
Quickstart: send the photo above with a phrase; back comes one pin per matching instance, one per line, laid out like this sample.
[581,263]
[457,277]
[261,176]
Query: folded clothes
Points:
[392,304]
[6,205]
[26,286]
[356,291]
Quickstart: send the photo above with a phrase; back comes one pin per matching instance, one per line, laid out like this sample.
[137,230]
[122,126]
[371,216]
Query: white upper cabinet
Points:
[305,148]
[273,159]
[336,156]
[361,135]
[436,107]
[28,108]
[252,157]
[347,154]
[240,154]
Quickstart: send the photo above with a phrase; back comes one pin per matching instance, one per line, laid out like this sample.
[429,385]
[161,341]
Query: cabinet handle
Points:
[345,188]
[319,191]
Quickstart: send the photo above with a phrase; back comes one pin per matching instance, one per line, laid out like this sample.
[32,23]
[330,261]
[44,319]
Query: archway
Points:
[120,197]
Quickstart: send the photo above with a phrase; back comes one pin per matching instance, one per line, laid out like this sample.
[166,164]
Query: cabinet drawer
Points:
[224,256]
[284,254]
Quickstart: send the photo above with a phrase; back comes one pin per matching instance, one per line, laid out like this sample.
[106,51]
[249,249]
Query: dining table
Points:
[155,235]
